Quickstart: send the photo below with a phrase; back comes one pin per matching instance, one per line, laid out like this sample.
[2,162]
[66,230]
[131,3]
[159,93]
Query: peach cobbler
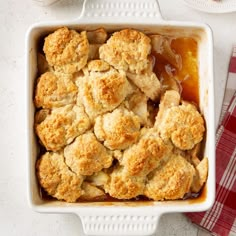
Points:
[114,119]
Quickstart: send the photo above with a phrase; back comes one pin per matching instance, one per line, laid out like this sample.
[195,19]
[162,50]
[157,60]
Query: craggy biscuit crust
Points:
[55,90]
[127,50]
[86,155]
[171,181]
[66,50]
[57,179]
[118,129]
[59,127]
[124,186]
[184,125]
[102,88]
[110,125]
[143,157]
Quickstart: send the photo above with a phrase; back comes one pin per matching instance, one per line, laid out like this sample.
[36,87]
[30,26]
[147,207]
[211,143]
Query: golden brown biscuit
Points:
[143,157]
[118,129]
[171,181]
[127,50]
[183,125]
[102,88]
[66,50]
[55,90]
[123,186]
[95,66]
[57,179]
[60,126]
[86,155]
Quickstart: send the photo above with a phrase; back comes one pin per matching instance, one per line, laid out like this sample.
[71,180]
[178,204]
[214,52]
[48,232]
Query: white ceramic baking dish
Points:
[125,218]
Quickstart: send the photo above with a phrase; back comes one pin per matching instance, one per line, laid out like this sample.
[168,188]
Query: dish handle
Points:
[119,224]
[128,11]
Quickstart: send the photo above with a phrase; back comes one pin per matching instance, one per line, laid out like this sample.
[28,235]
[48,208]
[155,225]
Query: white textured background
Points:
[16,218]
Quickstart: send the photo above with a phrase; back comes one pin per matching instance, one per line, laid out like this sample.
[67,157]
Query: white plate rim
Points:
[211,6]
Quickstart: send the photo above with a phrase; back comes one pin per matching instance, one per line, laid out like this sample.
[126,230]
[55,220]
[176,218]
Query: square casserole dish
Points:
[125,218]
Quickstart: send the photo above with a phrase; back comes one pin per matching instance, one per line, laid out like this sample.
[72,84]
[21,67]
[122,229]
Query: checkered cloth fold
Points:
[220,220]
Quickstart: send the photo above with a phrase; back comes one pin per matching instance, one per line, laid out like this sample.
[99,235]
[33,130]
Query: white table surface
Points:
[16,218]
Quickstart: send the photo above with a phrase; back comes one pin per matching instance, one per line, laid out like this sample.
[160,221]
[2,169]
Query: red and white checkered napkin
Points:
[221,218]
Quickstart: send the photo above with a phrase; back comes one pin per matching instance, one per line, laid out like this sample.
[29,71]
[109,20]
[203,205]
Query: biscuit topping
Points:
[66,50]
[111,118]
[127,50]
